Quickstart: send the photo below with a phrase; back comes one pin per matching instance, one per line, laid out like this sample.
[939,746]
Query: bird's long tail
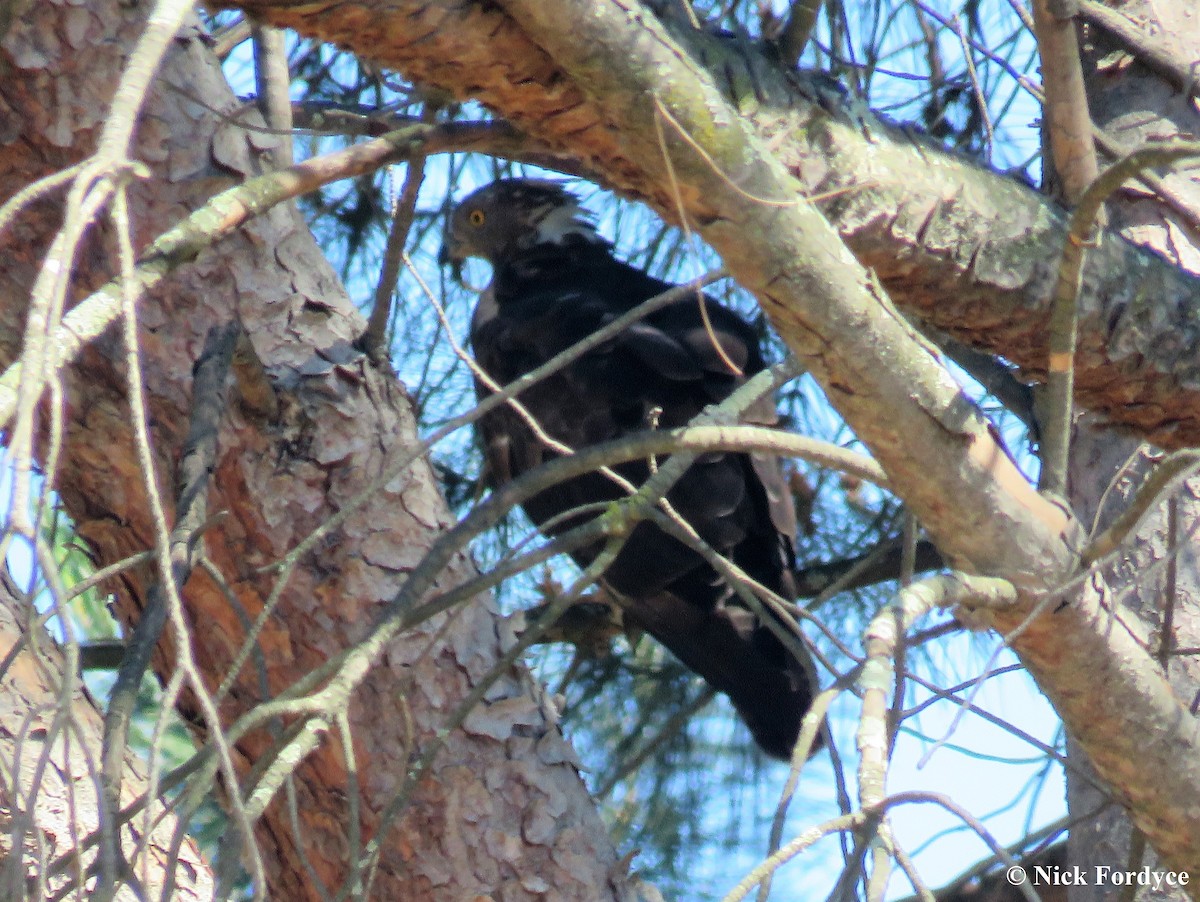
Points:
[737,654]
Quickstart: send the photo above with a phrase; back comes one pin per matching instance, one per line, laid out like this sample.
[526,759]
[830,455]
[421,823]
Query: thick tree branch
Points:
[968,250]
[338,422]
[373,339]
[878,372]
[1148,46]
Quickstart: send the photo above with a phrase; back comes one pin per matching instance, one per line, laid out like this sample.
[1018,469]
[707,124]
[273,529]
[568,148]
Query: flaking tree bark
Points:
[49,741]
[339,422]
[1156,575]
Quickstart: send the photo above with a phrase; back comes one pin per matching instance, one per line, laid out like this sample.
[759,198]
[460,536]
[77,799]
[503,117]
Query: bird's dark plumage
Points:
[555,282]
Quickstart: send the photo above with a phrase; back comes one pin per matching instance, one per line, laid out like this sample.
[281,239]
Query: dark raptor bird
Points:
[554,282]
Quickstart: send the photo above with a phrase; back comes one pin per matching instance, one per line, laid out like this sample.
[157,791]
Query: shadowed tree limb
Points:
[197,463]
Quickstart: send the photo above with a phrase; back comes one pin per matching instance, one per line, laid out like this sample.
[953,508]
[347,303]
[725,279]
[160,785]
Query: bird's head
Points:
[507,217]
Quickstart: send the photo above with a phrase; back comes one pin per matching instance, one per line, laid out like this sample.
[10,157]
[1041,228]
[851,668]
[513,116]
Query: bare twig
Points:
[197,462]
[373,340]
[802,17]
[1064,325]
[856,820]
[823,581]
[273,81]
[1166,638]
[804,744]
[981,100]
[1175,466]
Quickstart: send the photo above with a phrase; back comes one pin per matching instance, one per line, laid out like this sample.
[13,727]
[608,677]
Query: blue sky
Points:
[975,765]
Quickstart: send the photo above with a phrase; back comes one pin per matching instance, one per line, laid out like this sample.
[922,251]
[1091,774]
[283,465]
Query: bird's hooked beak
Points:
[449,256]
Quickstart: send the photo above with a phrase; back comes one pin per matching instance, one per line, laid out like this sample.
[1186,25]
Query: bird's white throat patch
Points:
[563,221]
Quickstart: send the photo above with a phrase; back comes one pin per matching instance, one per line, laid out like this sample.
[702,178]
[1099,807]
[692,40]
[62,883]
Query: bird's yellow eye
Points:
[476,217]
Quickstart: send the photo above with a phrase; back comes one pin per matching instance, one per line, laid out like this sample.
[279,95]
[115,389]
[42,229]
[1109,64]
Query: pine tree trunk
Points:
[501,810]
[1157,578]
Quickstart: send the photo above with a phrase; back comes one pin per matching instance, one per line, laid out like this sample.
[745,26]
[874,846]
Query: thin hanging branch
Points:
[1069,128]
[1064,317]
[793,37]
[196,464]
[374,339]
[274,83]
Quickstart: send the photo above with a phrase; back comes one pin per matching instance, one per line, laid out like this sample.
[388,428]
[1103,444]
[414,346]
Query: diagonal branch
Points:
[1146,44]
[225,213]
[965,249]
[883,378]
